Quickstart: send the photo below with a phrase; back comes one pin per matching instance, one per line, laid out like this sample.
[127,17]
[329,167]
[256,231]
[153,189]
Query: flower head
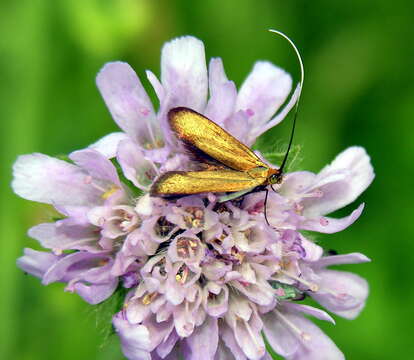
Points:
[205,278]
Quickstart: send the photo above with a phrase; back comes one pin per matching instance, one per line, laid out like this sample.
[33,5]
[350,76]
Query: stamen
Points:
[182,274]
[109,192]
[115,218]
[148,298]
[89,180]
[103,262]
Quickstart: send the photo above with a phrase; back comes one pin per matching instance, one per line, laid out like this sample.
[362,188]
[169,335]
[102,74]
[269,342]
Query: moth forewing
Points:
[196,182]
[205,135]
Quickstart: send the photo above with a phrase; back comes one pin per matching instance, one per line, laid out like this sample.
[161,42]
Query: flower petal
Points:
[280,116]
[282,341]
[134,165]
[39,177]
[328,225]
[95,293]
[36,262]
[357,173]
[108,144]
[156,85]
[135,339]
[63,235]
[223,94]
[309,310]
[98,166]
[204,340]
[313,251]
[128,102]
[184,73]
[184,78]
[65,269]
[263,92]
[316,345]
[227,335]
[341,292]
[353,258]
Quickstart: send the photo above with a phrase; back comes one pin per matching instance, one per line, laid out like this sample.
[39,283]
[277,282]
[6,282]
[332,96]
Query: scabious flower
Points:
[205,279]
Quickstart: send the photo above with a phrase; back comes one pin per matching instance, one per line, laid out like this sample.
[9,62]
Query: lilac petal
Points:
[263,92]
[78,214]
[184,78]
[95,293]
[156,85]
[158,331]
[175,354]
[249,338]
[184,322]
[167,345]
[353,258]
[136,312]
[63,235]
[355,164]
[223,94]
[266,357]
[98,166]
[135,339]
[224,353]
[280,338]
[134,165]
[108,145]
[260,292]
[227,335]
[66,268]
[36,262]
[204,340]
[328,225]
[309,310]
[38,177]
[144,205]
[217,304]
[280,116]
[342,293]
[236,125]
[296,183]
[313,251]
[128,102]
[184,72]
[315,345]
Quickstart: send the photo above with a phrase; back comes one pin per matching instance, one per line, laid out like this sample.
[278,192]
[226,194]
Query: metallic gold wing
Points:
[195,182]
[201,133]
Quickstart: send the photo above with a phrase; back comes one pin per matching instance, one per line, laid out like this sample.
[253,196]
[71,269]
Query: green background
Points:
[358,90]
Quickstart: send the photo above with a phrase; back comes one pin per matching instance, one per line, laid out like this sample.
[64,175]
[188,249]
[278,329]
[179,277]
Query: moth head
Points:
[275,178]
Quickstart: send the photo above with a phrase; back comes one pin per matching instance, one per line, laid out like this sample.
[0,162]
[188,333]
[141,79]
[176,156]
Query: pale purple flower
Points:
[205,278]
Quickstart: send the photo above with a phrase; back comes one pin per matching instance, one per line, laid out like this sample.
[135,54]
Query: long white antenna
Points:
[302,79]
[302,69]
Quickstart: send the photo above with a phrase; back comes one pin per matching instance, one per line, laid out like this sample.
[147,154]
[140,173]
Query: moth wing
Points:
[196,182]
[196,131]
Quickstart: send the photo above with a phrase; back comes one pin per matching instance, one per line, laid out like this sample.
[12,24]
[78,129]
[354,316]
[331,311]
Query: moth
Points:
[228,165]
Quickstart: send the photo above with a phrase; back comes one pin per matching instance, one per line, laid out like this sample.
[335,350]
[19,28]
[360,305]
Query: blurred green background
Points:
[359,89]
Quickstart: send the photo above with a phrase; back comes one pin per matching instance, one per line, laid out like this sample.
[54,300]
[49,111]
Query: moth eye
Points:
[273,179]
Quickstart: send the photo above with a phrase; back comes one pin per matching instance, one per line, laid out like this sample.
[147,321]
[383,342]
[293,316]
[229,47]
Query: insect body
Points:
[230,166]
